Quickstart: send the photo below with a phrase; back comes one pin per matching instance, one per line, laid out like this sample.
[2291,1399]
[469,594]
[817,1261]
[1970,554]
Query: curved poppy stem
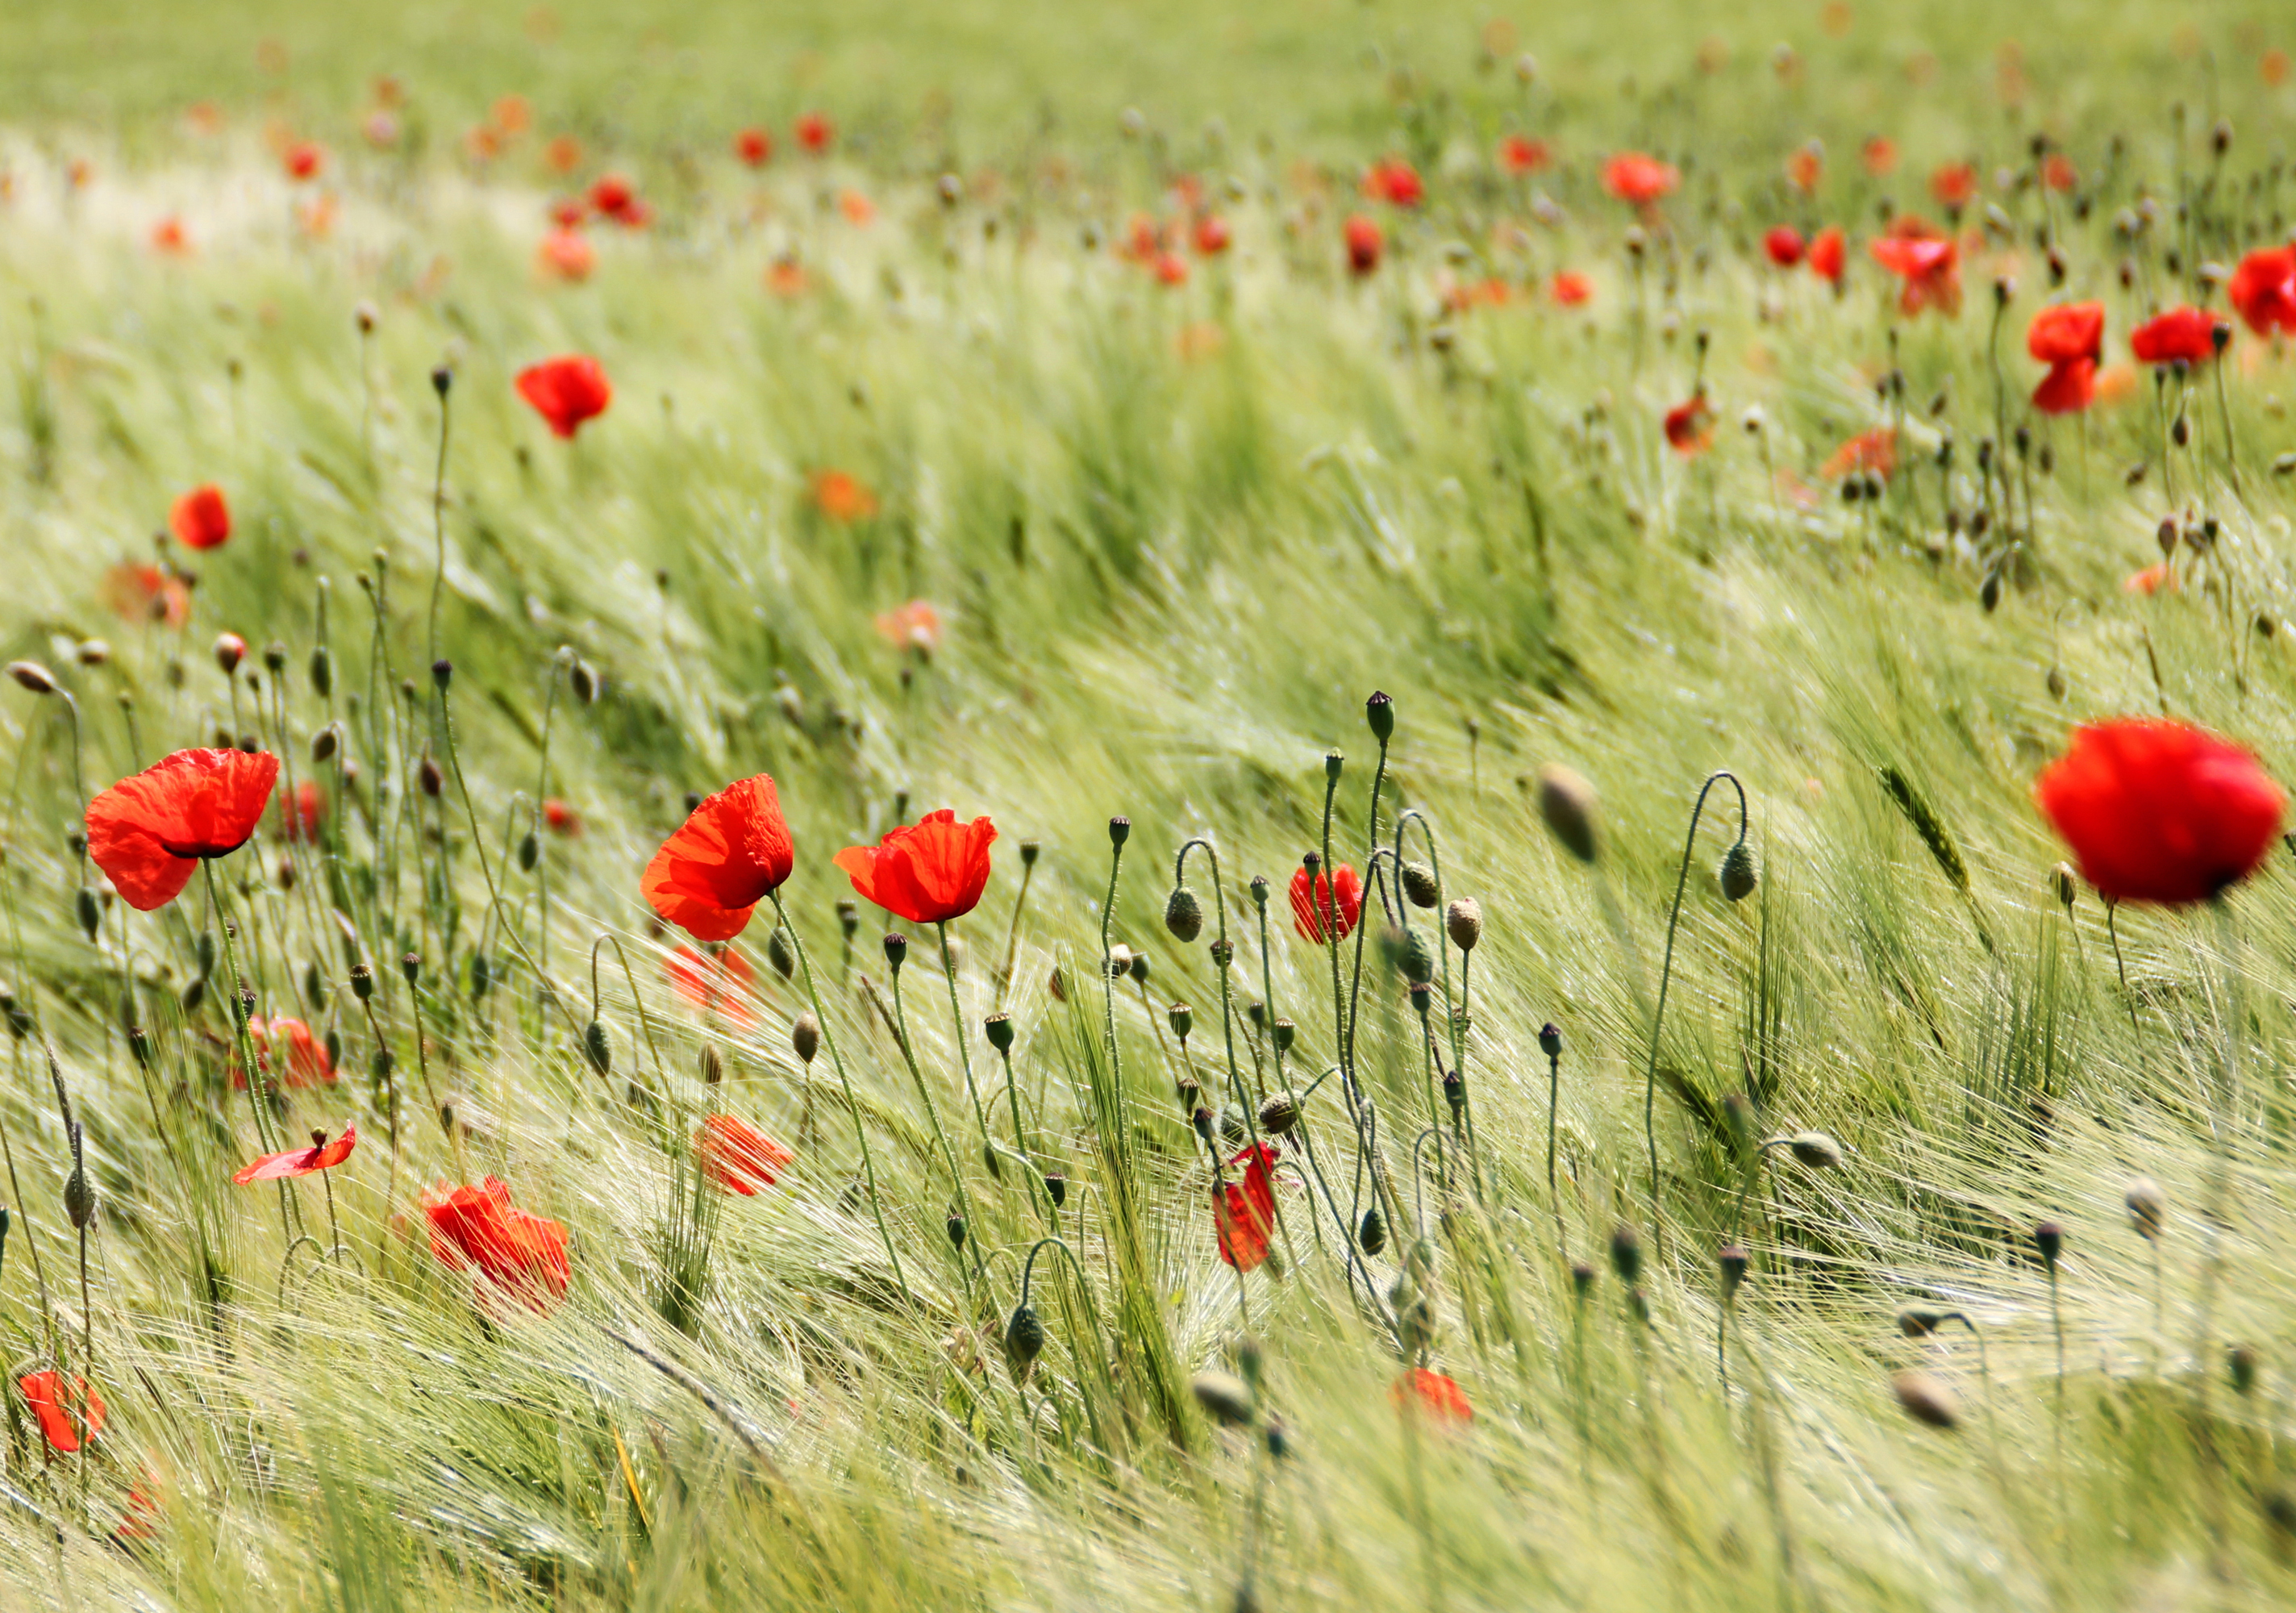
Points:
[1666,970]
[852,1104]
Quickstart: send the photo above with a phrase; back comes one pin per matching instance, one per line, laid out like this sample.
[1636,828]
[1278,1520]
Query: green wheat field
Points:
[1205,442]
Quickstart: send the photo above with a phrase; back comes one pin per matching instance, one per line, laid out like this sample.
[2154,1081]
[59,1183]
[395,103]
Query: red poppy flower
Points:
[55,1406]
[1690,427]
[566,255]
[2263,289]
[815,132]
[566,391]
[1829,253]
[2150,580]
[1875,450]
[302,821]
[303,160]
[718,985]
[926,871]
[1363,244]
[1634,176]
[147,593]
[169,239]
[1169,268]
[1521,154]
[2058,173]
[1880,155]
[737,1156]
[478,1230]
[321,1155]
[2158,811]
[1309,911]
[1955,184]
[568,212]
[754,147]
[612,196]
[304,1055]
[2187,333]
[1243,1213]
[731,853]
[857,208]
[1436,1393]
[1212,236]
[1784,246]
[1927,260]
[843,497]
[146,833]
[1805,168]
[1569,289]
[2065,332]
[200,518]
[1394,182]
[2067,388]
[560,818]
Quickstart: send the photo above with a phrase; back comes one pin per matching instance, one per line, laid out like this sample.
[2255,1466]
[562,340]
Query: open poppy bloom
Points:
[2070,338]
[62,1411]
[301,821]
[1806,166]
[149,831]
[737,1156]
[566,391]
[1875,450]
[614,197]
[1212,236]
[280,1042]
[754,146]
[2263,289]
[1243,1213]
[303,160]
[1880,156]
[1521,154]
[1927,259]
[1169,268]
[2189,334]
[478,1230]
[1364,242]
[814,132]
[1309,909]
[1436,1393]
[147,593]
[1639,178]
[1954,185]
[1571,289]
[2150,581]
[561,819]
[926,872]
[200,518]
[321,1155]
[169,239]
[843,497]
[718,985]
[731,853]
[2159,811]
[1690,427]
[1782,246]
[1394,182]
[566,255]
[1829,253]
[915,626]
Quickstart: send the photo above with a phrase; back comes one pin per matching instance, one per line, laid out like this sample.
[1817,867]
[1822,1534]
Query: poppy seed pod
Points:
[1056,1187]
[955,1231]
[897,950]
[2061,880]
[1626,1253]
[432,780]
[1279,1113]
[1568,803]
[1184,1020]
[848,917]
[1333,762]
[1119,962]
[2241,1362]
[600,1050]
[1285,1031]
[530,852]
[1423,998]
[410,964]
[1420,886]
[1224,1396]
[80,1197]
[2146,1207]
[1462,921]
[1927,1398]
[1815,1149]
[325,743]
[1738,872]
[442,672]
[805,1036]
[1024,1341]
[1371,1235]
[584,683]
[1184,915]
[1582,1280]
[2049,1238]
[1416,958]
[1201,1120]
[1733,1260]
[441,379]
[1120,830]
[1029,851]
[1259,890]
[779,953]
[33,676]
[1379,711]
[322,672]
[999,1030]
[1550,1040]
[362,982]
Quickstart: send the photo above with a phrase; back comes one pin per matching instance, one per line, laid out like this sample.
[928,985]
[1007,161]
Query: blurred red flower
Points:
[915,626]
[1927,259]
[1829,254]
[1641,179]
[1394,182]
[147,832]
[815,132]
[1169,268]
[478,1230]
[2070,338]
[1569,289]
[843,497]
[2150,580]
[301,820]
[201,519]
[566,391]
[321,1155]
[614,197]
[303,160]
[1805,166]
[566,255]
[1954,185]
[1309,910]
[62,1411]
[754,146]
[561,819]
[2263,289]
[1364,242]
[1875,450]
[1784,246]
[169,239]
[1243,1213]
[303,1055]
[2058,173]
[1690,427]
[2187,333]
[737,1156]
[731,852]
[1212,236]
[2159,811]
[927,871]
[1880,156]
[1436,1393]
[718,985]
[1521,154]
[146,593]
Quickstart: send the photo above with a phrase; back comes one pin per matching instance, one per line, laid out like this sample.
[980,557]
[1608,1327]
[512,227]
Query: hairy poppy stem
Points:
[1666,973]
[2113,930]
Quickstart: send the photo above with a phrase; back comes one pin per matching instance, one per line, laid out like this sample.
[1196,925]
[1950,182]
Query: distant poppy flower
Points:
[2070,338]
[568,212]
[1927,260]
[927,871]
[858,209]
[1875,450]
[316,217]
[2159,811]
[169,239]
[2263,289]
[1805,168]
[1435,1393]
[204,117]
[1690,427]
[1520,154]
[1880,156]
[566,255]
[842,496]
[754,146]
[477,1230]
[2150,580]
[321,1155]
[380,130]
[1490,292]
[1954,185]
[1144,239]
[147,832]
[2181,333]
[716,985]
[1309,910]
[514,114]
[2273,67]
[301,1057]
[141,1520]
[1638,179]
[1394,182]
[1569,289]
[62,1411]
[731,852]
[915,626]
[1364,242]
[1829,254]
[146,592]
[815,132]
[566,391]
[737,1156]
[301,820]
[1212,236]
[612,196]
[201,519]
[303,160]
[1784,246]
[1243,1213]
[1169,268]
[563,154]
[2058,173]
[2116,383]
[785,277]
[561,819]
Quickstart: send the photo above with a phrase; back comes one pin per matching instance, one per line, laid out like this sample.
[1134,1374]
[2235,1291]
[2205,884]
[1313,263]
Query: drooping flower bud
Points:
[1416,958]
[601,1051]
[779,953]
[1224,1396]
[805,1036]
[1371,1235]
[1463,920]
[1569,806]
[1738,879]
[33,676]
[1184,915]
[1420,886]
[1024,1341]
[1815,1149]
[1625,1252]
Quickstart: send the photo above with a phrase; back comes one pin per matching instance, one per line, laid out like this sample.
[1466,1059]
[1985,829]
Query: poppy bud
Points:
[410,964]
[1422,998]
[1927,1399]
[1379,711]
[584,683]
[1625,1252]
[1184,915]
[1333,762]
[1416,958]
[1419,884]
[1464,921]
[1259,890]
[1224,1396]
[1137,967]
[1733,1260]
[1256,1012]
[1370,1236]
[362,982]
[779,953]
[441,379]
[955,1230]
[1582,1280]
[230,650]
[600,1050]
[896,951]
[482,974]
[322,672]
[1024,1341]
[848,917]
[33,676]
[442,673]
[2146,1207]
[1815,1149]
[194,995]
[1568,803]
[805,1036]
[1550,1040]
[80,1197]
[2220,137]
[1285,1031]
[1279,1113]
[1189,1091]
[334,1046]
[1184,1020]
[2241,1362]
[1056,1187]
[1201,1120]
[1120,830]
[379,1066]
[2049,1238]
[1738,872]
[429,776]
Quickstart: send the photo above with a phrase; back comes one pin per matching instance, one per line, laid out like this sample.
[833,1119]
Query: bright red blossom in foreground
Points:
[1782,246]
[2186,333]
[321,1155]
[718,985]
[1436,1393]
[566,391]
[476,1228]
[1641,179]
[2263,289]
[1364,242]
[147,832]
[62,1411]
[2159,811]
[2070,338]
[1828,254]
[730,854]
[1243,1213]
[927,871]
[1690,427]
[1927,259]
[201,519]
[737,1156]
[1310,909]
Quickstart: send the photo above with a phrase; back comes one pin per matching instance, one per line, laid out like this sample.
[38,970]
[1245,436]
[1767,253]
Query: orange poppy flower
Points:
[561,819]
[1639,178]
[1954,185]
[1569,289]
[1309,909]
[147,831]
[321,1155]
[1520,154]
[478,1230]
[1875,450]
[1394,182]
[147,592]
[718,985]
[201,519]
[566,391]
[1212,236]
[2152,579]
[1880,156]
[928,871]
[1927,259]
[857,208]
[737,1156]
[303,160]
[169,239]
[815,132]
[915,626]
[843,497]
[1805,168]
[731,853]
[514,114]
[55,1406]
[563,154]
[785,277]
[1436,1393]
[2187,333]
